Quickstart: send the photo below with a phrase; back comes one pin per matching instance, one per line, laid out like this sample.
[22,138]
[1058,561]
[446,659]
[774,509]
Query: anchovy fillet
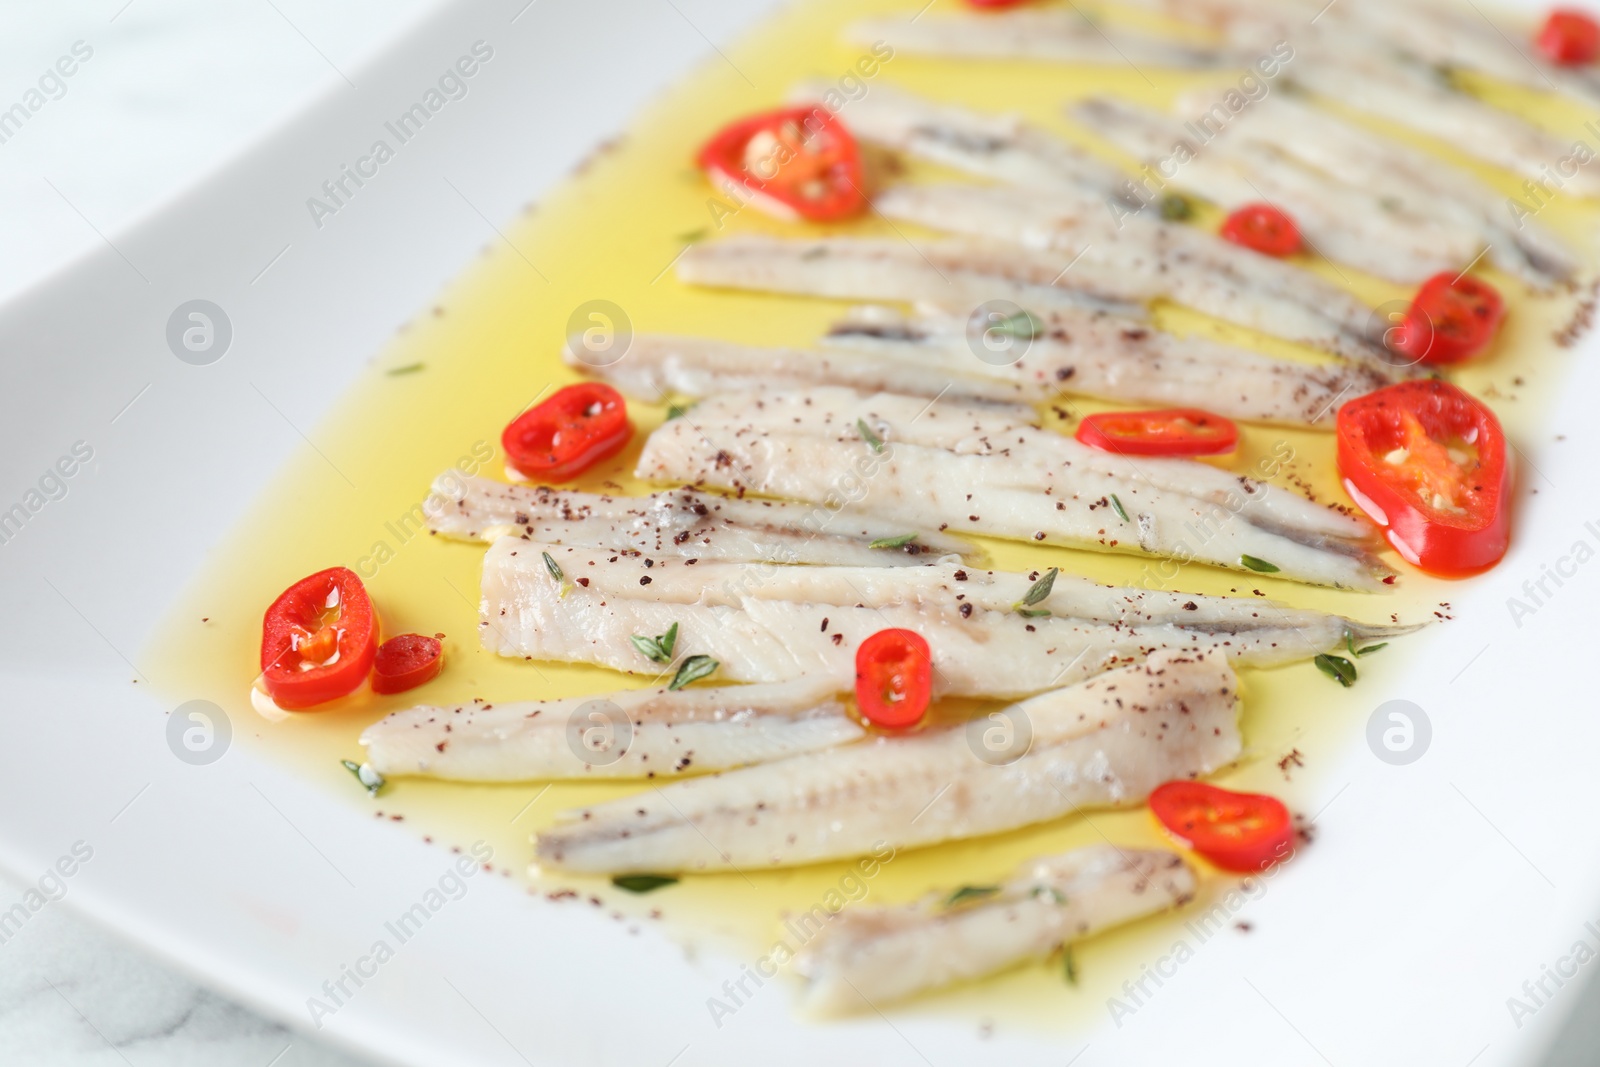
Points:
[1057,36]
[941,355]
[1004,148]
[1151,259]
[985,471]
[1401,89]
[1358,198]
[775,624]
[868,955]
[645,733]
[1104,743]
[1401,175]
[1090,212]
[677,523]
[955,271]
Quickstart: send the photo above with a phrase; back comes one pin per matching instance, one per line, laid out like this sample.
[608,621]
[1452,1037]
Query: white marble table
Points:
[172,89]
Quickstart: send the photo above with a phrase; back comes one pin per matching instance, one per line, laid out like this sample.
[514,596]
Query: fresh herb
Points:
[409,368]
[1069,966]
[1338,668]
[894,542]
[674,411]
[693,236]
[657,649]
[1033,613]
[970,892]
[1037,592]
[1116,506]
[553,567]
[369,778]
[1350,643]
[692,670]
[1056,896]
[868,436]
[1259,565]
[1176,208]
[1021,325]
[642,883]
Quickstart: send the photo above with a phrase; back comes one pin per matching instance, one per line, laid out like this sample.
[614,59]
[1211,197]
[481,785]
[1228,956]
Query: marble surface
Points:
[173,89]
[72,995]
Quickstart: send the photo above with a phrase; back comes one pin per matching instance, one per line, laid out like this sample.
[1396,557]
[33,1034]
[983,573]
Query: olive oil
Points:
[612,232]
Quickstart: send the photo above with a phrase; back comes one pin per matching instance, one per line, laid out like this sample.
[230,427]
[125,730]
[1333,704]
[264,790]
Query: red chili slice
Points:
[1452,318]
[797,162]
[318,640]
[1245,832]
[894,678]
[1428,462]
[579,426]
[405,662]
[1262,228]
[1570,38]
[1169,432]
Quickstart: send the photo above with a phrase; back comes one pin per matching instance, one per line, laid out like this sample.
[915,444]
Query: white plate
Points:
[1434,891]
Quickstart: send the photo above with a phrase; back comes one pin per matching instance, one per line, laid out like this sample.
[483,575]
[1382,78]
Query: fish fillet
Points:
[868,955]
[641,733]
[1344,223]
[1151,259]
[1401,177]
[932,355]
[962,272]
[677,523]
[772,624]
[1104,743]
[1057,36]
[985,471]
[1357,197]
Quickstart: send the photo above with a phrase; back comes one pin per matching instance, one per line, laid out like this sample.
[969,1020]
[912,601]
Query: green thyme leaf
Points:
[1069,966]
[553,567]
[370,779]
[1033,613]
[1117,506]
[1260,565]
[692,670]
[650,648]
[1041,589]
[693,236]
[1175,208]
[642,883]
[675,412]
[868,436]
[1056,896]
[1021,325]
[894,542]
[970,892]
[657,649]
[1338,668]
[1370,649]
[409,368]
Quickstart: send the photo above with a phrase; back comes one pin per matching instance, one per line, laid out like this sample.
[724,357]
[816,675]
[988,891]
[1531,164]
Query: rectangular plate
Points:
[247,876]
